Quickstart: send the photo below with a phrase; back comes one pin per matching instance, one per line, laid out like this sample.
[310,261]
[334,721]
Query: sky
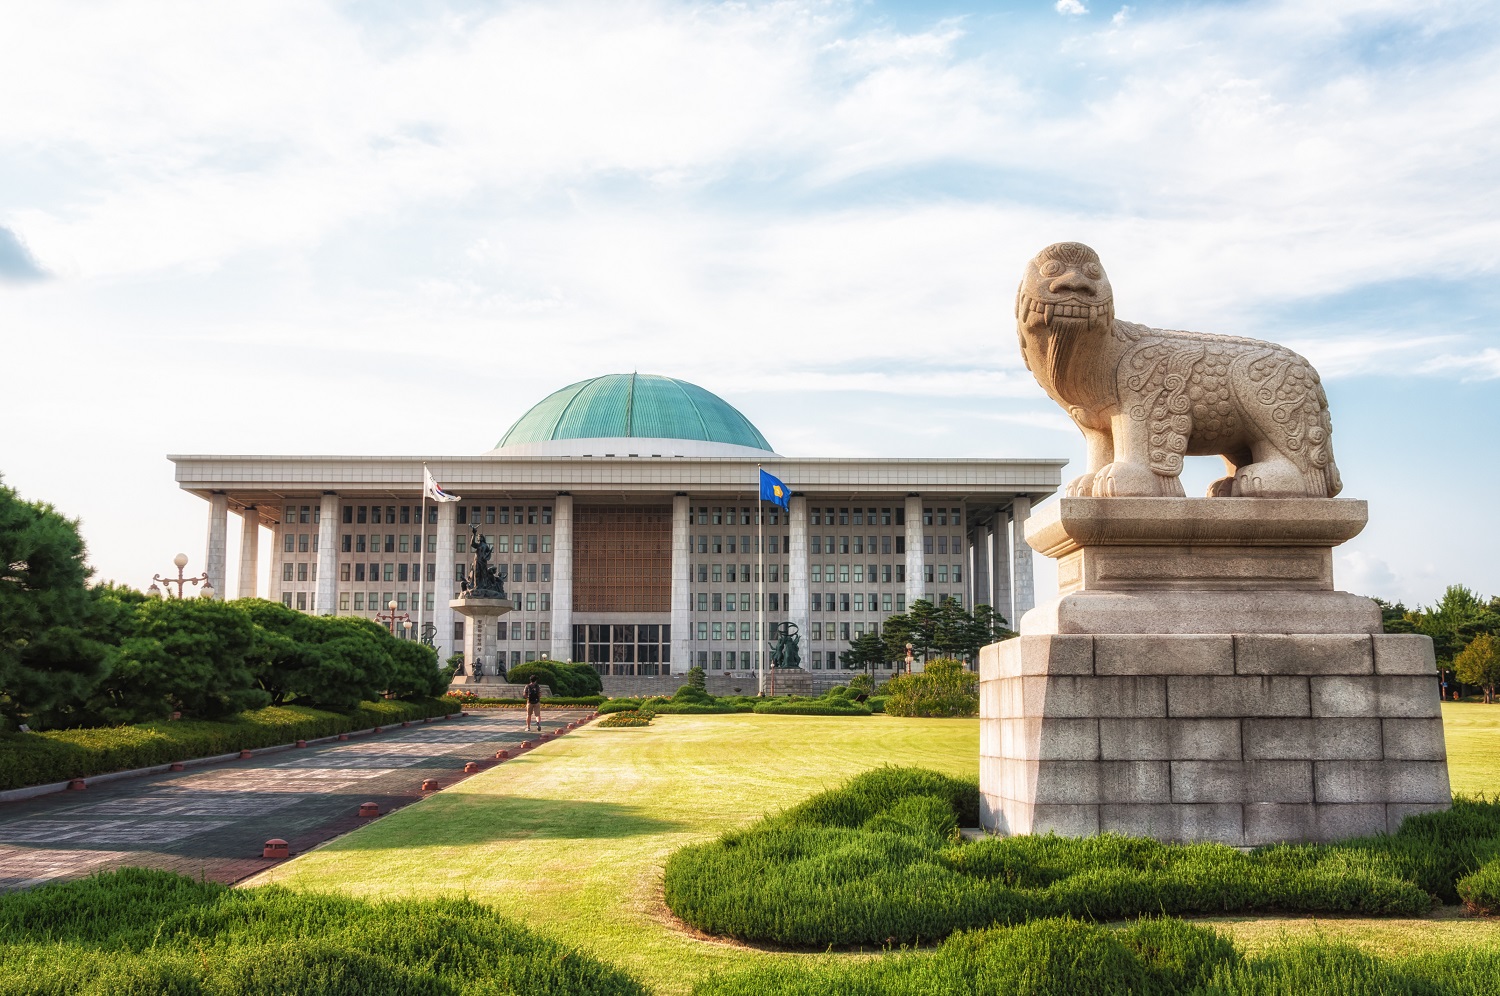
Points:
[393,226]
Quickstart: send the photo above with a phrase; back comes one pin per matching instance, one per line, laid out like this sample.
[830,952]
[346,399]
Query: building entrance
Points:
[643,649]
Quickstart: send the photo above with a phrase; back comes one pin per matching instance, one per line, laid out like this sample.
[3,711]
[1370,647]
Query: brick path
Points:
[212,822]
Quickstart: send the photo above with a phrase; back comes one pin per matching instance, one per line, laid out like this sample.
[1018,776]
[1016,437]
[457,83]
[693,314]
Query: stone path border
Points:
[214,818]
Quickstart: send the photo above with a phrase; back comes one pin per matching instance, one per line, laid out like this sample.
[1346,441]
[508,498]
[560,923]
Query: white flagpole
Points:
[422,564]
[760,577]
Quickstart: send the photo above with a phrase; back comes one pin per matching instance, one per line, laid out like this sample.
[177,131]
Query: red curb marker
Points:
[343,736]
[77,785]
[471,768]
[429,785]
[525,744]
[502,755]
[244,754]
[377,730]
[404,723]
[275,848]
[301,743]
[177,766]
[368,809]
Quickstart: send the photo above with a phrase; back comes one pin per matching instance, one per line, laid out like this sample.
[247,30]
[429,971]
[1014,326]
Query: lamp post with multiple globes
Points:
[390,618]
[181,581]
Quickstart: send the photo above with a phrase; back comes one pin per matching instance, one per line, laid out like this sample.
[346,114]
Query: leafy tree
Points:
[1479,664]
[51,656]
[696,678]
[948,629]
[190,654]
[865,652]
[1455,621]
[1396,617]
[414,672]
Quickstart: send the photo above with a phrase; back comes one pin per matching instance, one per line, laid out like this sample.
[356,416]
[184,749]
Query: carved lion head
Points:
[1065,290]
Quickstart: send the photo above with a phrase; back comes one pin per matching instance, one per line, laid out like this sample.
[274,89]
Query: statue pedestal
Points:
[1198,678]
[479,630]
[791,681]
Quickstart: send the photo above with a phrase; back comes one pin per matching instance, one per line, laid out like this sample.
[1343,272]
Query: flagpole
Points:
[422,565]
[760,577]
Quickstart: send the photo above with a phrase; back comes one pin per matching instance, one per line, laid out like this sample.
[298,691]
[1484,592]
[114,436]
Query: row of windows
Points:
[379,604]
[503,543]
[859,544]
[389,542]
[732,660]
[857,573]
[477,515]
[740,572]
[859,517]
[299,542]
[745,516]
[404,514]
[705,543]
[856,602]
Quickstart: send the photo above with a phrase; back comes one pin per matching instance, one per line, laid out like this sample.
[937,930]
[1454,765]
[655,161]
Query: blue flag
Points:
[773,490]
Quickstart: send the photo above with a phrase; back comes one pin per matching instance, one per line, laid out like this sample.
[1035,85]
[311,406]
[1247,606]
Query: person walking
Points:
[533,703]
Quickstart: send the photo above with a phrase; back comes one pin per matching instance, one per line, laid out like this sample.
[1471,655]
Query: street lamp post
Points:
[181,581]
[391,618]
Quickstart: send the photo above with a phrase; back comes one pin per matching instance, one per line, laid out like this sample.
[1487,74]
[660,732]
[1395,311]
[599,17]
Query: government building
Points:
[624,511]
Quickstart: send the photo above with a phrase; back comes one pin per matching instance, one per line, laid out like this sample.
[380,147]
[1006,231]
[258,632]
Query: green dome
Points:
[642,406]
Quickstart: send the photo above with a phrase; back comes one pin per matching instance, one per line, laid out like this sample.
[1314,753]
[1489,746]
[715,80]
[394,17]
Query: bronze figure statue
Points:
[482,580]
[786,652]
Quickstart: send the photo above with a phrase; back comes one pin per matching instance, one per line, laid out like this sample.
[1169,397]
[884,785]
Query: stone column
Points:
[682,583]
[979,566]
[797,611]
[442,586]
[1000,566]
[915,561]
[216,556]
[1025,590]
[249,552]
[328,555]
[273,583]
[562,578]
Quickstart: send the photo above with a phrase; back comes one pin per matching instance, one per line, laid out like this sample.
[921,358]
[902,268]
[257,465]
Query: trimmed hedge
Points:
[795,706]
[1154,957]
[565,678]
[878,861]
[560,702]
[944,688]
[1480,890]
[57,755]
[139,931]
[629,717]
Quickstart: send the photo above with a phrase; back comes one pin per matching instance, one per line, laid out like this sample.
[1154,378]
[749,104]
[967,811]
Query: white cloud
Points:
[1070,8]
[1121,16]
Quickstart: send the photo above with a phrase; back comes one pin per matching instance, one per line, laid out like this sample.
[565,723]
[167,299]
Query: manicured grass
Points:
[571,838]
[141,931]
[1472,730]
[877,861]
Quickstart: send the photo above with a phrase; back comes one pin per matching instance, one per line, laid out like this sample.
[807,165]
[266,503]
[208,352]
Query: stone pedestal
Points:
[791,681]
[480,615]
[1198,678]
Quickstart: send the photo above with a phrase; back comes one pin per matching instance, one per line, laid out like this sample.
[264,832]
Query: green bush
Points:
[1149,957]
[944,688]
[553,702]
[792,705]
[617,705]
[876,703]
[57,755]
[629,717]
[1480,890]
[564,678]
[146,932]
[874,862]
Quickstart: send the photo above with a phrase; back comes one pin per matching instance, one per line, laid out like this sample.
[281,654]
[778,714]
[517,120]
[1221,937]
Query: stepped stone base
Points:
[1205,731]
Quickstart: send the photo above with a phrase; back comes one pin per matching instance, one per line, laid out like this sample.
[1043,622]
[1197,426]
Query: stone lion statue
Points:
[1145,398]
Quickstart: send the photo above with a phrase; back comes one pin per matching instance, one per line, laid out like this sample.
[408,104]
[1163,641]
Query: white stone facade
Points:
[862,539]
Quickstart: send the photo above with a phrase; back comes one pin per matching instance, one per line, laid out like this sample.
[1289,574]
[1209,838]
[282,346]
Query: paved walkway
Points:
[212,822]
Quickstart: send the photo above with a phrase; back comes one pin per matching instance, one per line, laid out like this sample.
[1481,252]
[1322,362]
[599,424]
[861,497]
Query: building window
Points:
[531,601]
[546,572]
[844,631]
[885,603]
[546,601]
[302,601]
[545,629]
[900,602]
[286,571]
[927,545]
[286,598]
[718,659]
[817,602]
[343,572]
[302,572]
[859,602]
[942,574]
[718,631]
[401,601]
[927,573]
[703,631]
[844,573]
[389,572]
[843,602]
[359,601]
[859,573]
[817,631]
[531,631]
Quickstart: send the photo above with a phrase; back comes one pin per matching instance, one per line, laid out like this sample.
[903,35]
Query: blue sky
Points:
[310,227]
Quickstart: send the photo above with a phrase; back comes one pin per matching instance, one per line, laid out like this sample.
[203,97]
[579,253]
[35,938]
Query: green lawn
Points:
[571,838]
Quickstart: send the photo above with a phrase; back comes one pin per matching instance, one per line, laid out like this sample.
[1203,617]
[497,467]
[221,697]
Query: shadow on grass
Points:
[467,819]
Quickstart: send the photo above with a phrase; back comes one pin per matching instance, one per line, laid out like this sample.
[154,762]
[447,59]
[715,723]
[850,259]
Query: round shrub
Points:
[1480,890]
[944,688]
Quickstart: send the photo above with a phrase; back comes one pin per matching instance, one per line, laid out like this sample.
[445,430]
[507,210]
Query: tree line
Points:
[1465,632]
[946,629]
[76,654]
